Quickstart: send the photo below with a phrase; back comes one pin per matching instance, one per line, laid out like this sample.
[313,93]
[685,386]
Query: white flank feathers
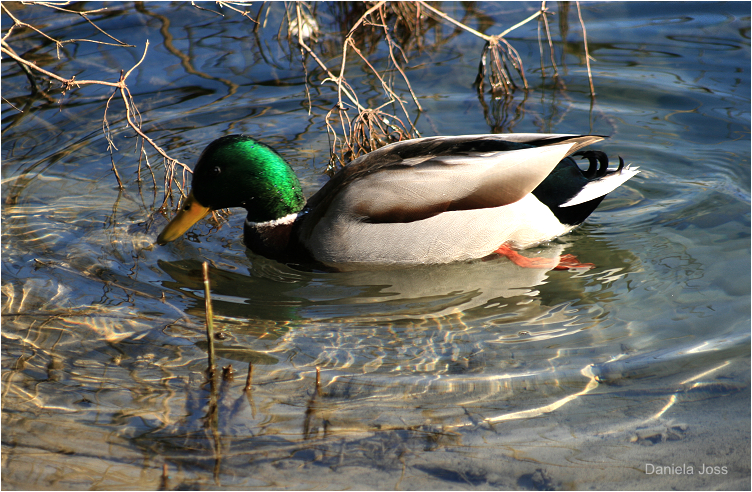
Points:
[601,186]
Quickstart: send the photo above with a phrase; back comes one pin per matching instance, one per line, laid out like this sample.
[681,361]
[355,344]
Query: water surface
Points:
[474,375]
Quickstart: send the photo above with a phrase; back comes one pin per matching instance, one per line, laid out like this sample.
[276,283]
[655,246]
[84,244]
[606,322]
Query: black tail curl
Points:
[598,164]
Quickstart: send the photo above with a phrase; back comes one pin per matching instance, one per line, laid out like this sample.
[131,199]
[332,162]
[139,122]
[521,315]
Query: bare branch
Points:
[12,106]
[545,11]
[455,22]
[67,83]
[391,43]
[229,5]
[520,24]
[59,44]
[299,16]
[120,85]
[362,18]
[587,53]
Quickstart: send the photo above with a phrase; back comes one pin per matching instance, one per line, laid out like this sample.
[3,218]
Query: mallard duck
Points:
[422,201]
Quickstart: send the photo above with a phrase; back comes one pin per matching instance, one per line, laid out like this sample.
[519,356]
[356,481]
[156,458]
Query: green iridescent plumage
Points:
[237,171]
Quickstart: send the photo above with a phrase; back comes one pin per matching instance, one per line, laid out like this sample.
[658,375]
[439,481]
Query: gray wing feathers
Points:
[428,186]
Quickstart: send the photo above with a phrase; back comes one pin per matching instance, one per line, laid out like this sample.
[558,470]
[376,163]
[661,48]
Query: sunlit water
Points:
[475,375]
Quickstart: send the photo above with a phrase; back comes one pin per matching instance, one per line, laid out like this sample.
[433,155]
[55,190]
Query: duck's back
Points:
[437,200]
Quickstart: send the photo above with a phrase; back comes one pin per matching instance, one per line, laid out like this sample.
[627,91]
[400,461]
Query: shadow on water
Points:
[277,292]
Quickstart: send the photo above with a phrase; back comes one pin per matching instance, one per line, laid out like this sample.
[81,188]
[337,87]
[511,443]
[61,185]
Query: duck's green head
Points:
[237,171]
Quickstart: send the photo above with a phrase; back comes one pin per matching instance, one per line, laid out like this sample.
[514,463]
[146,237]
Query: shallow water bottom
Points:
[609,427]
[543,454]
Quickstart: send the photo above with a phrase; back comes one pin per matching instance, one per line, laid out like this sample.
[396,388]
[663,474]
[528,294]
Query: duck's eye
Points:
[216,171]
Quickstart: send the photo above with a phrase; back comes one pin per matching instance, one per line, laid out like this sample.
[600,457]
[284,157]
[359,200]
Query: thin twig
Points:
[193,3]
[68,84]
[331,77]
[32,82]
[340,80]
[362,18]
[520,24]
[587,53]
[500,50]
[244,13]
[132,114]
[391,43]
[455,22]
[249,377]
[209,318]
[540,48]
[108,136]
[299,15]
[131,109]
[11,105]
[387,89]
[59,44]
[550,42]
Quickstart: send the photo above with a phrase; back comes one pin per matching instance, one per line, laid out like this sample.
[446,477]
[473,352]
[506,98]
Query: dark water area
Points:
[479,375]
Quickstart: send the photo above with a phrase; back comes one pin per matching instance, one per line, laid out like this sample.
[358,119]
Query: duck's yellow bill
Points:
[190,213]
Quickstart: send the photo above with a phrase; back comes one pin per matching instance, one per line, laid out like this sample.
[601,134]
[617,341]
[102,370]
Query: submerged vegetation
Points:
[332,44]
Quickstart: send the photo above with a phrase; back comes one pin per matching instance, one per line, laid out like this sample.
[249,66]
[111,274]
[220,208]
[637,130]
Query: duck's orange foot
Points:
[563,262]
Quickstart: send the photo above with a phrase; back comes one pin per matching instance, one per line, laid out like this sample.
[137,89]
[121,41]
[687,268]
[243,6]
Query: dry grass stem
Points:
[544,17]
[391,44]
[86,17]
[131,111]
[457,23]
[249,377]
[59,44]
[587,52]
[209,318]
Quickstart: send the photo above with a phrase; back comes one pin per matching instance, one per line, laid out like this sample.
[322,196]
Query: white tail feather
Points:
[601,186]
